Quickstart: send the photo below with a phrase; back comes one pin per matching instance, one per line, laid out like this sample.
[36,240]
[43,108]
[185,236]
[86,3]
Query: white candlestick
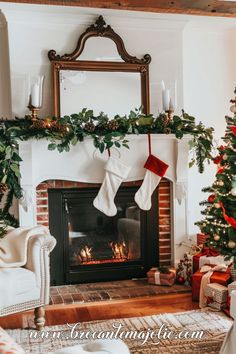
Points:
[171,105]
[41,80]
[166,100]
[35,95]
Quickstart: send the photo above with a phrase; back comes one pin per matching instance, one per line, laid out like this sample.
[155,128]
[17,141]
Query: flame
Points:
[120,250]
[85,255]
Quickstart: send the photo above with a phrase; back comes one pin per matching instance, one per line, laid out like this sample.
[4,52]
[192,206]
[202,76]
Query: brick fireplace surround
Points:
[164,210]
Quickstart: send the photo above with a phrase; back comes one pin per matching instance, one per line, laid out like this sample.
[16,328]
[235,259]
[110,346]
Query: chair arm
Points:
[39,248]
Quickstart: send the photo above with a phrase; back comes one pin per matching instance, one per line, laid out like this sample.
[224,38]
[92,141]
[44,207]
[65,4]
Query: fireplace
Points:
[92,246]
[42,169]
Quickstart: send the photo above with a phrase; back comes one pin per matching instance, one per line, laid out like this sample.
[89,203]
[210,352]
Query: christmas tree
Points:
[219,222]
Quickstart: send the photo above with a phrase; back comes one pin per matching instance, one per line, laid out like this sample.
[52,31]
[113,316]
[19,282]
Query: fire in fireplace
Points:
[92,246]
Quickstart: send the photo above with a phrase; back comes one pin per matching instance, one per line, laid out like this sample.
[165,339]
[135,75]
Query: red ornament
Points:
[222,147]
[211,198]
[233,129]
[220,170]
[180,280]
[218,159]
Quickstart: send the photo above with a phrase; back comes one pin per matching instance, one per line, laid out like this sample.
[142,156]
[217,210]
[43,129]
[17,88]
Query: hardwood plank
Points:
[61,314]
[198,7]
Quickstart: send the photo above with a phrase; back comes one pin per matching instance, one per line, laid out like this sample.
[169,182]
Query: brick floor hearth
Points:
[113,290]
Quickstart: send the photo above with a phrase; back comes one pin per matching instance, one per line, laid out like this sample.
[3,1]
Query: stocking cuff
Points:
[156,166]
[118,168]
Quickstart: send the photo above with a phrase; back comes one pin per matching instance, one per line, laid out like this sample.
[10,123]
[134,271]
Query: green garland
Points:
[68,130]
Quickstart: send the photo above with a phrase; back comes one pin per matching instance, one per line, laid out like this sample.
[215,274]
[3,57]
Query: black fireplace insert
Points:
[94,247]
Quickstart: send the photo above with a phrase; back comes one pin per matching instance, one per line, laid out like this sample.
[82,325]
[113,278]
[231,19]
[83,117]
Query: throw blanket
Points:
[13,247]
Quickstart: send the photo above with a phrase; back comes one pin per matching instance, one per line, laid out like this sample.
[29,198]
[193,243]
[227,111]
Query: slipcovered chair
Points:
[27,287]
[228,346]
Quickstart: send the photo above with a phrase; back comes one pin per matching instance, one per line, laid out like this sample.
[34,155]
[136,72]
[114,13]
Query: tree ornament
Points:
[233,109]
[231,244]
[225,157]
[3,188]
[211,198]
[233,129]
[216,237]
[112,125]
[233,190]
[180,280]
[217,205]
[89,127]
[221,183]
[217,159]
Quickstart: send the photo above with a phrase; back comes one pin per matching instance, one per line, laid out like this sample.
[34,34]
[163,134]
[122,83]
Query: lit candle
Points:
[35,95]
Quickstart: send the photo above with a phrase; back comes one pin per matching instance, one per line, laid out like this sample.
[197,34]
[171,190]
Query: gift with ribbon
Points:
[161,276]
[208,256]
[219,274]
[216,295]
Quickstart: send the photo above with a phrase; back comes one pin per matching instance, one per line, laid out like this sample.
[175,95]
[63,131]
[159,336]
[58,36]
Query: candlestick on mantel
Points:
[166,100]
[36,97]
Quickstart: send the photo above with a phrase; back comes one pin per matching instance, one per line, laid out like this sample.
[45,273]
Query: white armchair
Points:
[27,287]
[228,346]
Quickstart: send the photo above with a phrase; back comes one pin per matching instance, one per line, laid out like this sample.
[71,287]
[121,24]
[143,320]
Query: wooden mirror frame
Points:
[70,62]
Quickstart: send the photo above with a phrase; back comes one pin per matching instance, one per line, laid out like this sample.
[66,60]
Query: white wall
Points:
[5,87]
[209,81]
[194,55]
[34,29]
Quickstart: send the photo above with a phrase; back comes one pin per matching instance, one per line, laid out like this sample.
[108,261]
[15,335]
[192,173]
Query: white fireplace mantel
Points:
[85,164]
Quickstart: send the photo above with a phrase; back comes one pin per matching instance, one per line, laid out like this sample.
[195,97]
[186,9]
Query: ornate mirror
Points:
[115,85]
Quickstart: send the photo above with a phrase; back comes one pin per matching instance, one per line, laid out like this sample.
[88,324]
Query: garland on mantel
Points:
[68,130]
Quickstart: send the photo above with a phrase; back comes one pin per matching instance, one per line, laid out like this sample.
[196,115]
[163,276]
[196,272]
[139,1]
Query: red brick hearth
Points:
[164,210]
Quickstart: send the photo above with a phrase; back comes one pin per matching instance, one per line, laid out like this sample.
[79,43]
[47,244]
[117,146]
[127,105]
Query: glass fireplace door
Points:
[95,238]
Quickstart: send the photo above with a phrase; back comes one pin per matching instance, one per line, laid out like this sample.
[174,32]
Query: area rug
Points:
[112,290]
[214,326]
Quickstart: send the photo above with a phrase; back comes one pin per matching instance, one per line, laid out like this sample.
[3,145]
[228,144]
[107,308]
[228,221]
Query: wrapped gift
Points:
[201,239]
[161,276]
[208,256]
[231,287]
[227,308]
[218,277]
[233,305]
[216,293]
[216,305]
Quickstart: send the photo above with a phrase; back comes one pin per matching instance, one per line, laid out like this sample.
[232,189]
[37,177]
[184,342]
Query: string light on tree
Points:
[220,219]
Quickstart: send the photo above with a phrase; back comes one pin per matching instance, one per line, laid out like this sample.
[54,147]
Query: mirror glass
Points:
[109,92]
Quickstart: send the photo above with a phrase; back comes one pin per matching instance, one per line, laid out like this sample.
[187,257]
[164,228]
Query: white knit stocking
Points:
[115,173]
[144,195]
[155,170]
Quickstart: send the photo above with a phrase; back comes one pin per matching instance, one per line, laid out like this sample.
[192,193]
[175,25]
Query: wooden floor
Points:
[61,314]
